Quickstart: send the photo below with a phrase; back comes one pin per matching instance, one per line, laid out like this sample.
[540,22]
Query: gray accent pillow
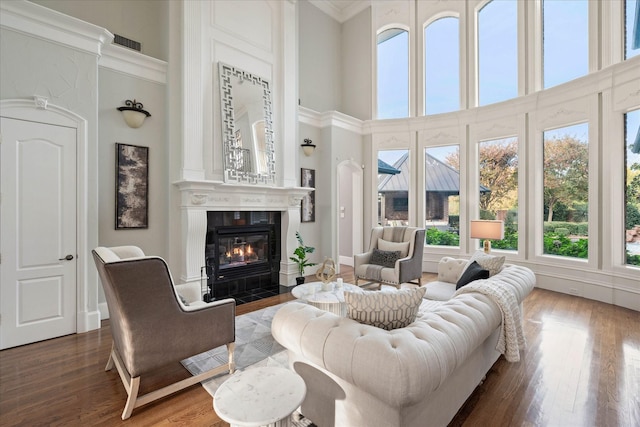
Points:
[384,258]
[386,310]
[473,272]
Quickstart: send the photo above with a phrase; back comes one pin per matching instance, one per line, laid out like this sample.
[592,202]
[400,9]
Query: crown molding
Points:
[127,61]
[47,24]
[344,12]
[329,118]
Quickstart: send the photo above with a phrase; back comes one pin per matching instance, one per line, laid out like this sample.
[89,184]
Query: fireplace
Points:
[242,254]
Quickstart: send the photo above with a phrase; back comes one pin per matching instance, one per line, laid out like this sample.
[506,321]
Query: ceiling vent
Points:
[123,41]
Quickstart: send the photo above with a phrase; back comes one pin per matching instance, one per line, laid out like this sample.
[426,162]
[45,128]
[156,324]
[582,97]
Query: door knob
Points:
[67,258]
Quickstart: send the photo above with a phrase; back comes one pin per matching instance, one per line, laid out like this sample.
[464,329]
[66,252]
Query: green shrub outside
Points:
[633,216]
[555,244]
[633,259]
[441,238]
[561,231]
[575,228]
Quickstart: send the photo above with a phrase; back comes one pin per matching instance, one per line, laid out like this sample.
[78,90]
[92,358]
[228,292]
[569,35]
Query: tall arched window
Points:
[393,74]
[565,40]
[497,51]
[442,66]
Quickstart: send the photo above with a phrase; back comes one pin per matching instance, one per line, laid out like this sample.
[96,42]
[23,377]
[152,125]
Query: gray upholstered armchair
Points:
[394,257]
[152,327]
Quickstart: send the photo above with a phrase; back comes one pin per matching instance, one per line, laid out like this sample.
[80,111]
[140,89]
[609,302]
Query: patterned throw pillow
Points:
[487,262]
[384,258]
[385,245]
[386,310]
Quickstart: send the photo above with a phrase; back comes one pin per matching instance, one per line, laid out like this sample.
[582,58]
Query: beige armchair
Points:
[382,264]
[152,327]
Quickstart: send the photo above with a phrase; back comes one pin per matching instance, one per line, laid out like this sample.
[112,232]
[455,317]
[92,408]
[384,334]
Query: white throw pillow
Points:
[385,245]
[487,262]
[386,310]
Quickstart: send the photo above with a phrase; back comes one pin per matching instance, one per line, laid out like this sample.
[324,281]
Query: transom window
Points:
[442,66]
[565,40]
[497,51]
[393,74]
[632,28]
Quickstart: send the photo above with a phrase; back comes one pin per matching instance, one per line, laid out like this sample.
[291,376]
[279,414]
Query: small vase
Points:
[299,280]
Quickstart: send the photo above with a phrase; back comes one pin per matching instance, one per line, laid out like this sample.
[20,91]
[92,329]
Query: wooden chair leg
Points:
[134,386]
[232,363]
[110,363]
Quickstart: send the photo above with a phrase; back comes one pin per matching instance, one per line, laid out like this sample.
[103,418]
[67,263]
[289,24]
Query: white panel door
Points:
[37,232]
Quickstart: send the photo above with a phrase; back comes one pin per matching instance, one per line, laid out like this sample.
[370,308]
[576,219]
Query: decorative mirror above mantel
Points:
[247,127]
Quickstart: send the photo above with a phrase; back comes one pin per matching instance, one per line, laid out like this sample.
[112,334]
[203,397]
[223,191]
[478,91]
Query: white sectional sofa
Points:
[419,375]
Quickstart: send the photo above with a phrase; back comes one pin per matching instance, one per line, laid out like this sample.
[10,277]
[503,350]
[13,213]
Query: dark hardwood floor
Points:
[581,368]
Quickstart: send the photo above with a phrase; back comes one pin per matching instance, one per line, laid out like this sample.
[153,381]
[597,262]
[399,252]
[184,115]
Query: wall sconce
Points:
[487,229]
[133,113]
[308,147]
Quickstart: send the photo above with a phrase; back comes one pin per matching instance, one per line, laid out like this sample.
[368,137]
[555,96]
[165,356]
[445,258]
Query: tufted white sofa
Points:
[420,375]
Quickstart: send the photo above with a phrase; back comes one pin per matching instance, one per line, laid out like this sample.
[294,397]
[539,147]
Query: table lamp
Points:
[487,230]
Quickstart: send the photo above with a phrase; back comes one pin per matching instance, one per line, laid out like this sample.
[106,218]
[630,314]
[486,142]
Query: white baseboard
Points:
[104,310]
[346,260]
[87,321]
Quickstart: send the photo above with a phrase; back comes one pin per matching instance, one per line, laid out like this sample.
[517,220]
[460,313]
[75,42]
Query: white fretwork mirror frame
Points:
[233,152]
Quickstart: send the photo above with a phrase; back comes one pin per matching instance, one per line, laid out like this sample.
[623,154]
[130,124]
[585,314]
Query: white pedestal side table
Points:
[260,397]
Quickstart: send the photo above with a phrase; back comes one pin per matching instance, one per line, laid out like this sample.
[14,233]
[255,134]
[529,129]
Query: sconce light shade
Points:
[133,113]
[487,230]
[308,147]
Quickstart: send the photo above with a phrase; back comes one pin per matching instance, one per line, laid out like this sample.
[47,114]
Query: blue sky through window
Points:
[498,51]
[565,40]
[442,66]
[630,14]
[393,75]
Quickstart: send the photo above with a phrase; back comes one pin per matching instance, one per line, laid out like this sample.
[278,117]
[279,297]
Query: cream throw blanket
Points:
[511,339]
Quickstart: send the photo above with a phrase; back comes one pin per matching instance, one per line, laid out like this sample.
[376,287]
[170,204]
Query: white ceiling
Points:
[341,10]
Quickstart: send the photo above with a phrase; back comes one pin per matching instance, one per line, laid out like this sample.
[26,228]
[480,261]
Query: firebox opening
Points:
[242,254]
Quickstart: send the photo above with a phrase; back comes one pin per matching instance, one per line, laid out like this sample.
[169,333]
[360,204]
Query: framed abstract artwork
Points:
[132,186]
[308,205]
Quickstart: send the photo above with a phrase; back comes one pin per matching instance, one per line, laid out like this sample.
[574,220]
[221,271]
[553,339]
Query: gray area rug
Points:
[255,346]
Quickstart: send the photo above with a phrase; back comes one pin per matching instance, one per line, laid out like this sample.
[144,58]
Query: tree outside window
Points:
[498,173]
[566,191]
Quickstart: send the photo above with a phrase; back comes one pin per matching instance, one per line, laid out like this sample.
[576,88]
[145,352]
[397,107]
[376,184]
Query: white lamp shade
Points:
[487,229]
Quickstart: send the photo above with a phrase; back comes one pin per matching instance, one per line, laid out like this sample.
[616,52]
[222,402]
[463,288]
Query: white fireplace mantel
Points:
[217,195]
[198,197]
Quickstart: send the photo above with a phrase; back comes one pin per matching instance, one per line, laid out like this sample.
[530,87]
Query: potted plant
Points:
[300,258]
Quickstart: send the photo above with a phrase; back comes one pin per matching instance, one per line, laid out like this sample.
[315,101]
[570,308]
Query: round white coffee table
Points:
[331,300]
[260,397]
